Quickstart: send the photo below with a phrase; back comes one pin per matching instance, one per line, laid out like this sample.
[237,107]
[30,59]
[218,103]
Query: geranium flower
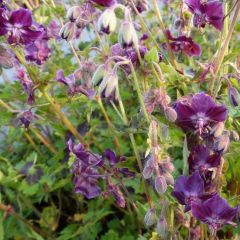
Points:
[18,26]
[184,44]
[215,212]
[208,12]
[201,160]
[199,113]
[37,51]
[188,190]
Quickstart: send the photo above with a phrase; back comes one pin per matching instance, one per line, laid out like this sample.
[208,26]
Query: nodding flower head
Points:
[18,26]
[199,113]
[107,22]
[206,12]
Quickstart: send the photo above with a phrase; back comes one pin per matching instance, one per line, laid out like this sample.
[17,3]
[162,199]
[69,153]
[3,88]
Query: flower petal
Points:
[21,17]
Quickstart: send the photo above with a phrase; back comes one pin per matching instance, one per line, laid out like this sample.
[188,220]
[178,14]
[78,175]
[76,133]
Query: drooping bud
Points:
[222,143]
[167,166]
[217,130]
[234,136]
[148,170]
[165,132]
[169,178]
[67,31]
[170,114]
[26,118]
[107,22]
[127,34]
[73,13]
[160,184]
[162,227]
[234,96]
[98,75]
[150,217]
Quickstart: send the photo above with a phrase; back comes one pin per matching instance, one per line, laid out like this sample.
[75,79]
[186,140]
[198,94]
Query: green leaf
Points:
[152,55]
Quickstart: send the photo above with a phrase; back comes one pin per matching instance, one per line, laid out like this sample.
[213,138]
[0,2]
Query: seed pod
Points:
[160,184]
[234,96]
[73,13]
[67,31]
[170,114]
[150,217]
[107,22]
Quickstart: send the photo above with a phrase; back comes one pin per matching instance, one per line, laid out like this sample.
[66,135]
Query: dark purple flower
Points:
[117,194]
[188,190]
[184,44]
[26,118]
[207,12]
[113,159]
[27,84]
[105,3]
[37,51]
[201,160]
[18,26]
[199,113]
[73,87]
[215,212]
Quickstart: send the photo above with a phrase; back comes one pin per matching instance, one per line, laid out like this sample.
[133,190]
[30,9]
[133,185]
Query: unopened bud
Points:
[165,132]
[169,178]
[167,166]
[148,171]
[98,75]
[67,31]
[170,114]
[160,184]
[73,13]
[234,136]
[222,143]
[107,22]
[217,130]
[150,217]
[127,34]
[233,96]
[162,227]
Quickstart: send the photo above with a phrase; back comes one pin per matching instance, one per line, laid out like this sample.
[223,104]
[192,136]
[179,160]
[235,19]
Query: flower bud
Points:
[170,114]
[234,96]
[222,143]
[107,22]
[150,217]
[127,34]
[234,136]
[162,227]
[217,130]
[169,178]
[160,184]
[67,31]
[98,75]
[148,171]
[73,13]
[167,166]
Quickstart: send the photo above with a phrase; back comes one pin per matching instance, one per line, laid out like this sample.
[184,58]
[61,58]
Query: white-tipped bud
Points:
[99,75]
[222,143]
[73,13]
[107,22]
[170,114]
[67,31]
[162,227]
[150,217]
[127,34]
[160,184]
[234,136]
[217,130]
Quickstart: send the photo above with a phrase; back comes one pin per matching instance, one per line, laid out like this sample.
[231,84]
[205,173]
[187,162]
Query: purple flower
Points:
[215,212]
[199,113]
[27,84]
[184,44]
[105,3]
[201,160]
[26,118]
[18,26]
[117,194]
[188,190]
[53,30]
[85,170]
[37,51]
[73,87]
[208,12]
[113,159]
